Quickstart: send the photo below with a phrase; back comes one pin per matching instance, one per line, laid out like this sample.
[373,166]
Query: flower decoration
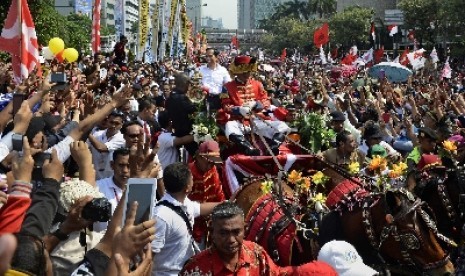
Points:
[266,186]
[450,146]
[294,177]
[377,164]
[319,197]
[398,170]
[354,168]
[319,178]
[74,189]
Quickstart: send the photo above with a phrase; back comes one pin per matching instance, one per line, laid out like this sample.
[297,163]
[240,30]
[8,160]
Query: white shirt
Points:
[102,160]
[167,152]
[111,192]
[214,79]
[173,243]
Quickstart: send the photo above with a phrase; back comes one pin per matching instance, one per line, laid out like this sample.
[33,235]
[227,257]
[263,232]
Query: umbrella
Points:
[393,71]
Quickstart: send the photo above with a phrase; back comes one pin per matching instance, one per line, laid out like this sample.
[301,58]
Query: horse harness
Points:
[407,241]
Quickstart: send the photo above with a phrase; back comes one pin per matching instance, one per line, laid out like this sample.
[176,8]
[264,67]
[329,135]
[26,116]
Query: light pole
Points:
[194,8]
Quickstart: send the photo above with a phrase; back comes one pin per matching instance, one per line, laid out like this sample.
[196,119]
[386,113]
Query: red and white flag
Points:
[19,30]
[403,59]
[368,56]
[372,31]
[96,27]
[416,59]
[393,29]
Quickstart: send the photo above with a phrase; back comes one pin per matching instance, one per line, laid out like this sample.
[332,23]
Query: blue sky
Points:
[226,9]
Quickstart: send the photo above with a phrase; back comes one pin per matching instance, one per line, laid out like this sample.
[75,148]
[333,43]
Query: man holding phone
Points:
[175,213]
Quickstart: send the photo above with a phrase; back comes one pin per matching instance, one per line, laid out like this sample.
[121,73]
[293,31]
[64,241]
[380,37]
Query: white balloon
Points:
[47,53]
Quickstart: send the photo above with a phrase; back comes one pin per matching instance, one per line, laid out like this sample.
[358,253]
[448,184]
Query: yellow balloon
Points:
[56,45]
[70,54]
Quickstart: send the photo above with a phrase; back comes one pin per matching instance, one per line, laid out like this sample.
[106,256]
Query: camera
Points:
[99,209]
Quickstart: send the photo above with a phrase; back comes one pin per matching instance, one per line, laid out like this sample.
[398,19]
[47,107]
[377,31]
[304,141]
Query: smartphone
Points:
[17,141]
[18,99]
[142,190]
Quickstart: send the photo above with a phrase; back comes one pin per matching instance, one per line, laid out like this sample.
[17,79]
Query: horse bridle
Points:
[407,241]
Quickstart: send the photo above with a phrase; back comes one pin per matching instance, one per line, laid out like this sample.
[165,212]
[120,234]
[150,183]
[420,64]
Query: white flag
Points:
[434,56]
[368,56]
[322,56]
[330,59]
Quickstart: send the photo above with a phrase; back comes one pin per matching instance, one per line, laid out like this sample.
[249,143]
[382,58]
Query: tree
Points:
[78,27]
[351,26]
[290,33]
[322,7]
[421,15]
[296,9]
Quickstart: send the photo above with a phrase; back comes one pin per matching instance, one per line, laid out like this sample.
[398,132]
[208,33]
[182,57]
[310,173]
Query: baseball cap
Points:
[343,257]
[211,151]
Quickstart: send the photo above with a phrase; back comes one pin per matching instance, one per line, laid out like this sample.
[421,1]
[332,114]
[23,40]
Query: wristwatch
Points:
[60,235]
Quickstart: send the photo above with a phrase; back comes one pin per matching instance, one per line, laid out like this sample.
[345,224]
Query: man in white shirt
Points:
[103,143]
[112,187]
[214,76]
[168,144]
[173,244]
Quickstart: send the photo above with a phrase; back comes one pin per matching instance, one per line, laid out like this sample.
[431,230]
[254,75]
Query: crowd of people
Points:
[70,144]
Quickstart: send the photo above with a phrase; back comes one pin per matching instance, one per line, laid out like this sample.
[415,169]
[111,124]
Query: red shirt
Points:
[240,93]
[253,260]
[207,188]
[12,214]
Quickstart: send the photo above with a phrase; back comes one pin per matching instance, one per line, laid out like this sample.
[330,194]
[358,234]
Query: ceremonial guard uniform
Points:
[240,98]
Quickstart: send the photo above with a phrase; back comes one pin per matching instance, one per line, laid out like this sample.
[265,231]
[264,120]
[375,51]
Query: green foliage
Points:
[314,133]
[290,33]
[435,21]
[78,30]
[351,26]
[324,8]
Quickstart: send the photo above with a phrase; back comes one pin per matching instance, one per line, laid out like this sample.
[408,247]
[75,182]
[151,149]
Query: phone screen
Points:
[17,101]
[145,197]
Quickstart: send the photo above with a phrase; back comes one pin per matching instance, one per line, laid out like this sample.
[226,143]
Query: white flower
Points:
[74,189]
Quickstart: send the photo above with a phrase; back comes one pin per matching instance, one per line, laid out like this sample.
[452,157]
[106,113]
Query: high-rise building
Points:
[107,13]
[378,6]
[194,13]
[131,15]
[250,12]
[66,7]
[208,22]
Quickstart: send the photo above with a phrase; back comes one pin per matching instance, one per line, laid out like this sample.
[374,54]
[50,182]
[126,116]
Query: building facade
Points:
[194,13]
[378,6]
[250,12]
[210,23]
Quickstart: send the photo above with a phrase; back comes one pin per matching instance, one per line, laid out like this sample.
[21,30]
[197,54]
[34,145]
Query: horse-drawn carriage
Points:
[295,203]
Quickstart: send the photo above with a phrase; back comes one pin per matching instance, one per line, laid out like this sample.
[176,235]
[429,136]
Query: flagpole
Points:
[20,36]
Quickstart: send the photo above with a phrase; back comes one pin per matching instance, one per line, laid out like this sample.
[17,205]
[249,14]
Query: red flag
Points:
[403,58]
[283,55]
[96,27]
[20,30]
[378,55]
[321,35]
[372,31]
[234,42]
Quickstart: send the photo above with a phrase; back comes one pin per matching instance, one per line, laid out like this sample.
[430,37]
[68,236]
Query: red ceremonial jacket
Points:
[207,188]
[239,93]
[253,260]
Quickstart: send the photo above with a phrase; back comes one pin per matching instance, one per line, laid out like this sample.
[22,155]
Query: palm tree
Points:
[323,7]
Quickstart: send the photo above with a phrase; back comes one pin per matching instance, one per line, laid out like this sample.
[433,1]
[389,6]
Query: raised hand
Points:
[22,169]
